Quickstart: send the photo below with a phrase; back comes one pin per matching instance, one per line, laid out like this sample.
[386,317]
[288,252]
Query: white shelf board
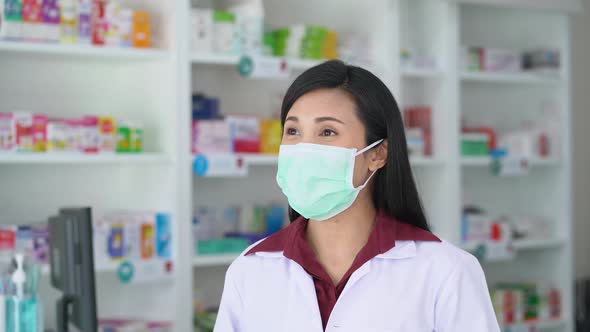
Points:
[541,325]
[56,158]
[214,260]
[82,50]
[232,60]
[111,268]
[510,78]
[524,245]
[485,161]
[411,72]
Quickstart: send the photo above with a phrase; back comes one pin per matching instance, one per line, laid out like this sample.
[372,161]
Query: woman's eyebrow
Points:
[292,118]
[327,118]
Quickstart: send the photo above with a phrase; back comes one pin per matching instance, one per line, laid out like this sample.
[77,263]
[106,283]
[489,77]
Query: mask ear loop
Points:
[375,171]
[369,147]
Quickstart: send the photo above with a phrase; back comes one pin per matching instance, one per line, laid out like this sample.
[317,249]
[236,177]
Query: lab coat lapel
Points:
[303,300]
[355,277]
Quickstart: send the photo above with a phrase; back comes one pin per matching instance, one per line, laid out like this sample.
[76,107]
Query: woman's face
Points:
[328,117]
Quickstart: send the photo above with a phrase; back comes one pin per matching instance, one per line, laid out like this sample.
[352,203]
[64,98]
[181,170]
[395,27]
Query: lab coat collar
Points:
[395,239]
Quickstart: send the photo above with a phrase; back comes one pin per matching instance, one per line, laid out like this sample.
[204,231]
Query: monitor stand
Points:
[63,313]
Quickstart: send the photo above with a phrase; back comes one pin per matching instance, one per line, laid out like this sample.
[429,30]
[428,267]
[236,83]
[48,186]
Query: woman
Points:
[358,254]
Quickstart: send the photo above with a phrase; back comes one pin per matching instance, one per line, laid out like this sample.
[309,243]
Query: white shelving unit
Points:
[154,87]
[439,28]
[138,85]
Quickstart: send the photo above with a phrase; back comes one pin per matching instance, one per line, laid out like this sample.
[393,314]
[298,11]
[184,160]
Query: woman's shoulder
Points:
[446,257]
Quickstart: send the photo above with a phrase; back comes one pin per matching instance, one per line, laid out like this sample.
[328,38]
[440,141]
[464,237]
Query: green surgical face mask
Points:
[317,179]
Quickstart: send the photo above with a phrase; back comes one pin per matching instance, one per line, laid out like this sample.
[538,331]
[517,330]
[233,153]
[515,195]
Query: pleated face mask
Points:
[317,179]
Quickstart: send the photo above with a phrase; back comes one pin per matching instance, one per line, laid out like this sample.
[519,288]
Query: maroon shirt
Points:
[292,242]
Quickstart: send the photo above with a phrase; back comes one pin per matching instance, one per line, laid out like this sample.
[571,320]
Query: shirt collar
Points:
[387,231]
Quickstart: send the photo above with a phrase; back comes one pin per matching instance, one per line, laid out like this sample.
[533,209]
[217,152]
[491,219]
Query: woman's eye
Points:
[291,131]
[328,132]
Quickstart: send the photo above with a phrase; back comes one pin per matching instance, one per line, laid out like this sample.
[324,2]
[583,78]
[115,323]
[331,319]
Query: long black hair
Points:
[394,189]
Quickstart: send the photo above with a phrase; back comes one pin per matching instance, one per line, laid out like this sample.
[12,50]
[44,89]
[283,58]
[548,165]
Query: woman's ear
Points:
[378,157]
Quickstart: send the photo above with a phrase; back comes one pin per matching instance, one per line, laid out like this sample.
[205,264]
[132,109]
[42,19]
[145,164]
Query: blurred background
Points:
[162,116]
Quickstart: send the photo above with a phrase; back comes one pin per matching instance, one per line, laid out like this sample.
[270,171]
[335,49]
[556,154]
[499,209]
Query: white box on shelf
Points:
[201,30]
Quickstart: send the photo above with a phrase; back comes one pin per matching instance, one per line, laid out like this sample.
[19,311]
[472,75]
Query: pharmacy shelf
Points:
[232,60]
[421,73]
[537,325]
[82,50]
[214,260]
[485,161]
[524,245]
[254,159]
[516,78]
[55,158]
[45,269]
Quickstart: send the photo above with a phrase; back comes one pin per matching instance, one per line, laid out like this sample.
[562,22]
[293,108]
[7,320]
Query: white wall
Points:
[581,140]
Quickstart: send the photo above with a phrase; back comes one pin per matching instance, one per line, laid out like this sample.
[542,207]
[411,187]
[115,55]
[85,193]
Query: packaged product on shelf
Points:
[163,236]
[249,18]
[90,135]
[211,136]
[205,108]
[136,131]
[112,12]
[542,60]
[201,30]
[39,133]
[24,240]
[108,135]
[24,131]
[415,141]
[11,22]
[7,132]
[85,21]
[531,227]
[141,30]
[57,136]
[68,22]
[245,132]
[420,117]
[7,242]
[473,144]
[32,28]
[126,27]
[224,33]
[411,58]
[50,18]
[98,22]
[124,137]
[40,236]
[147,241]
[271,132]
[73,134]
[492,59]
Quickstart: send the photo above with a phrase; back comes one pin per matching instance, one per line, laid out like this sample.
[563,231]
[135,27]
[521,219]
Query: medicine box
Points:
[24,131]
[107,131]
[7,132]
[11,22]
[225,33]
[201,30]
[474,144]
[39,133]
[90,134]
[50,20]
[245,133]
[211,136]
[141,30]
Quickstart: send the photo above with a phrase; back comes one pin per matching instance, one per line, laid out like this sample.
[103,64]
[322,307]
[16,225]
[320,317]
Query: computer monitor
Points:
[72,269]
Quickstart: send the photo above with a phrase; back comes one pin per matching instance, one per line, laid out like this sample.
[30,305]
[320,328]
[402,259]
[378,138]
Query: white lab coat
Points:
[414,287]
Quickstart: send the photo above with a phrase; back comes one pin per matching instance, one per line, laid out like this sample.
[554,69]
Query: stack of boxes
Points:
[418,124]
[97,22]
[29,132]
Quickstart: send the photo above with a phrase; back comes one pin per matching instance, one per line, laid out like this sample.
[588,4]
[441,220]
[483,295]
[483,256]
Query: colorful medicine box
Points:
[7,132]
[270,136]
[107,131]
[11,22]
[124,137]
[141,30]
[24,131]
[85,21]
[57,136]
[245,131]
[50,20]
[39,133]
[90,135]
[31,16]
[98,22]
